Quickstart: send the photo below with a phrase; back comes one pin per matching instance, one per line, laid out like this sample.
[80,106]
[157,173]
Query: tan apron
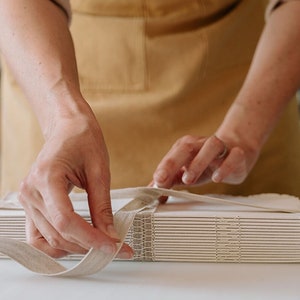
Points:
[154,71]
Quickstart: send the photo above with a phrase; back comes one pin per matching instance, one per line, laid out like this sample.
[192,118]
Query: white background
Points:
[157,280]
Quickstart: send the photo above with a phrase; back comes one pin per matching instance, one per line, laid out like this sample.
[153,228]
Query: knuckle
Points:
[187,144]
[169,163]
[187,139]
[24,192]
[239,153]
[31,241]
[103,212]
[106,211]
[189,148]
[61,222]
[36,174]
[22,198]
[54,241]
[43,173]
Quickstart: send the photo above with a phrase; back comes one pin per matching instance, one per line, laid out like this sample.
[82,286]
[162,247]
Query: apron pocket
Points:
[110,52]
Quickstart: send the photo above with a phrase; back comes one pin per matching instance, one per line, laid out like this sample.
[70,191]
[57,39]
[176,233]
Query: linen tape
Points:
[95,260]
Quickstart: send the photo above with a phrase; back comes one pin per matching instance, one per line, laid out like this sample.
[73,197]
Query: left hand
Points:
[199,160]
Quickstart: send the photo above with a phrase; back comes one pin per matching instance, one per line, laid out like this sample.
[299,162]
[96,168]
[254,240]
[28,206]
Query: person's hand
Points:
[199,160]
[74,154]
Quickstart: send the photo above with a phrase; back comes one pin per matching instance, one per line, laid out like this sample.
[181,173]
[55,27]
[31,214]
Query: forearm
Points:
[273,79]
[36,43]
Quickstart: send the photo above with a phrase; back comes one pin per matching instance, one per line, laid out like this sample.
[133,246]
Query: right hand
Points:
[74,154]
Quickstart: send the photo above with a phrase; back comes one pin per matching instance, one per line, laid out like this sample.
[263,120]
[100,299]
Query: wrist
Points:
[242,128]
[65,105]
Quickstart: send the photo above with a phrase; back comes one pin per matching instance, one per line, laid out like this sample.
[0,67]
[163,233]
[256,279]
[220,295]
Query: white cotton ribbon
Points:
[95,260]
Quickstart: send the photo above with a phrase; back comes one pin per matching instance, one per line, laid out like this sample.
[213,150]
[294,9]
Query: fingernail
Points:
[112,232]
[216,176]
[107,248]
[160,177]
[188,177]
[125,255]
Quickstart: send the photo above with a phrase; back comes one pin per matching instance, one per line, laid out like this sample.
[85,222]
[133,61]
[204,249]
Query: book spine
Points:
[141,236]
[228,239]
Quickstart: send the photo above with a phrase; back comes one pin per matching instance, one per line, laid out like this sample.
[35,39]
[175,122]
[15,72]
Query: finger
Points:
[205,177]
[54,244]
[161,199]
[233,170]
[180,155]
[53,238]
[101,212]
[224,151]
[70,225]
[125,252]
[50,214]
[208,153]
[100,206]
[35,239]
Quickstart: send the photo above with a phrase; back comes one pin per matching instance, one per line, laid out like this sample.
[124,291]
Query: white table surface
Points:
[159,280]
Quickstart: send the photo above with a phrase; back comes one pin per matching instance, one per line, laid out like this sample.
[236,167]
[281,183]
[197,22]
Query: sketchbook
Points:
[261,228]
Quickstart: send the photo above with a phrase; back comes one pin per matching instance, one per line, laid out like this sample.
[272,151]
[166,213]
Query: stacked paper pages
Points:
[260,228]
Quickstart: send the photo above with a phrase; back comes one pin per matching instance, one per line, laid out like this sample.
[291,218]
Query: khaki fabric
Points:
[154,71]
